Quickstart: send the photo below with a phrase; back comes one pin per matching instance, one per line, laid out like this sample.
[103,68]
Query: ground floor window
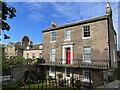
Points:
[52,71]
[87,74]
[68,72]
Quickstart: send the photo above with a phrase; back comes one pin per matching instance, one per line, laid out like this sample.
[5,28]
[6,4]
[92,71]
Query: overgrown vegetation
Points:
[33,76]
[14,61]
[78,83]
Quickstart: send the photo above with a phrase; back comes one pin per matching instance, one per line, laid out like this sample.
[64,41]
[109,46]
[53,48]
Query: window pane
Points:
[52,55]
[86,74]
[86,31]
[86,53]
[53,36]
[67,34]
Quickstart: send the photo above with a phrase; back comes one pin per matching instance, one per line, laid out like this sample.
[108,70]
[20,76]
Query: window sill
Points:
[67,40]
[87,80]
[89,61]
[52,41]
[86,37]
[52,60]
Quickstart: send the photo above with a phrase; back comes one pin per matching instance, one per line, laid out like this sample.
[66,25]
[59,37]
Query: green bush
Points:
[40,60]
[59,75]
[48,77]
[32,76]
[78,83]
[6,86]
[19,83]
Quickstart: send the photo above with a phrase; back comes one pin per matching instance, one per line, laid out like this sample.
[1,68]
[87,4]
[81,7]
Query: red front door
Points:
[68,57]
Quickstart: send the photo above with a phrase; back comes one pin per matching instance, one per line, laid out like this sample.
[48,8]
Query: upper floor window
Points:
[67,34]
[53,36]
[52,54]
[86,31]
[86,53]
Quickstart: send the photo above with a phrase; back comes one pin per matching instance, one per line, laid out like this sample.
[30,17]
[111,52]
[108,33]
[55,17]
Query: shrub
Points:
[6,86]
[78,83]
[19,83]
[48,77]
[40,60]
[32,76]
[59,75]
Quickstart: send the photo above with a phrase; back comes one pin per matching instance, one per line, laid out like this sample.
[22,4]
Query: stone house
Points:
[35,51]
[16,49]
[85,49]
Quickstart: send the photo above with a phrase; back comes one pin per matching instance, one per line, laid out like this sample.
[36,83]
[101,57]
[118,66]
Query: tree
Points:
[7,63]
[7,12]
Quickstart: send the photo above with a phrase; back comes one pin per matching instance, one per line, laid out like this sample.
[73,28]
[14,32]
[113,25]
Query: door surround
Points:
[64,46]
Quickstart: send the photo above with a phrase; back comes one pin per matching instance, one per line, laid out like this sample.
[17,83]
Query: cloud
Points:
[30,10]
[35,16]
[78,11]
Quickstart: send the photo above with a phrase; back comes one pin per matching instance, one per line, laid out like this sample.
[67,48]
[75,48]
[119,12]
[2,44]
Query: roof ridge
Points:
[75,23]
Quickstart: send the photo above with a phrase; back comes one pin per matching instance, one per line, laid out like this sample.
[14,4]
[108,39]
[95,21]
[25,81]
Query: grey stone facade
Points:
[102,42]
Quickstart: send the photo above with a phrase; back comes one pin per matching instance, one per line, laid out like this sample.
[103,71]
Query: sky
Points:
[34,17]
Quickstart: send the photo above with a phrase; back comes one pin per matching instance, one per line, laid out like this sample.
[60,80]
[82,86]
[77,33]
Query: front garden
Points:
[48,84]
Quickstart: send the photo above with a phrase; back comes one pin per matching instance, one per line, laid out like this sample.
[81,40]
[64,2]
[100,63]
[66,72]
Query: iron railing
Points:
[101,64]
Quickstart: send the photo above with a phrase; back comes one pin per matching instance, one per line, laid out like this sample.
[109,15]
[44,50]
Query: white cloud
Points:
[77,11]
[35,16]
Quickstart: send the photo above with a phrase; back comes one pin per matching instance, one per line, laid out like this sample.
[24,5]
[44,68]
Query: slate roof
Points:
[77,23]
[11,44]
[35,46]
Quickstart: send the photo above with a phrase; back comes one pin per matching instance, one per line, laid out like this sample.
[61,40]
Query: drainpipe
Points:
[109,44]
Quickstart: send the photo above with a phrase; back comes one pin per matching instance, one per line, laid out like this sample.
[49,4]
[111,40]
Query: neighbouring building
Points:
[85,49]
[34,51]
[16,49]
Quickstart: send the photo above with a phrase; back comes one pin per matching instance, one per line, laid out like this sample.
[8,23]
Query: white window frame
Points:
[86,55]
[51,57]
[87,78]
[65,35]
[52,71]
[83,37]
[52,37]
